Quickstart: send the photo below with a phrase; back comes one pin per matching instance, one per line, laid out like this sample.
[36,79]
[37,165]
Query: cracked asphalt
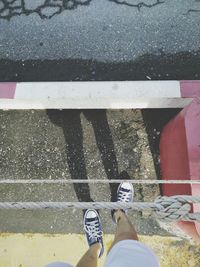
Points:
[99,40]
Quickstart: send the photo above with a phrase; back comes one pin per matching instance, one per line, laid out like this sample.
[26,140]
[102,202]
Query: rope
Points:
[166,208]
[76,205]
[79,181]
[177,208]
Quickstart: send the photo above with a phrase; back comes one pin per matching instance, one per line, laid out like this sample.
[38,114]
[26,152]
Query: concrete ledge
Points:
[109,95]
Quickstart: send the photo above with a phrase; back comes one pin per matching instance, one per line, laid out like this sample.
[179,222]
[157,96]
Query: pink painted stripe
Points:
[190,88]
[7,90]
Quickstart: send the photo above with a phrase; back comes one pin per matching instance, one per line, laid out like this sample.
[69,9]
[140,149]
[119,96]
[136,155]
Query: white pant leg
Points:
[131,253]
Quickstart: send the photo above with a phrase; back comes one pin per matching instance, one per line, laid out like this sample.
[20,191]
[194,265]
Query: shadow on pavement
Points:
[70,122]
[154,122]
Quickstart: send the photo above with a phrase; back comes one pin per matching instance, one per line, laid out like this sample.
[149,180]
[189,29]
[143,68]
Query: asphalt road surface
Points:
[99,40]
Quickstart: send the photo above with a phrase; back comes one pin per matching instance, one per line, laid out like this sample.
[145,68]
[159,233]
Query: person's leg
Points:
[94,235]
[125,230]
[127,251]
[89,259]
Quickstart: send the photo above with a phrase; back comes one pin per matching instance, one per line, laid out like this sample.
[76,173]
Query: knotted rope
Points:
[176,208]
[173,208]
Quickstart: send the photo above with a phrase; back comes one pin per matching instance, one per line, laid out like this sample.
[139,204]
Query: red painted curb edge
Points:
[7,90]
[190,88]
[180,158]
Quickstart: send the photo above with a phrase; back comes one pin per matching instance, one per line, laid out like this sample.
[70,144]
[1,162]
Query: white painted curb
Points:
[98,95]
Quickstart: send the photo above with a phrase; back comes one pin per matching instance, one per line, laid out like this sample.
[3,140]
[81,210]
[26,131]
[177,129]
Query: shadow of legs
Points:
[103,135]
[70,122]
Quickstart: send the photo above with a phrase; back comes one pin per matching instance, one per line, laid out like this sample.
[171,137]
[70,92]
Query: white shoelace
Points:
[124,196]
[92,229]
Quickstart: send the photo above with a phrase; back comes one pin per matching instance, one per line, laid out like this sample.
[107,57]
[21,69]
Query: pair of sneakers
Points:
[92,222]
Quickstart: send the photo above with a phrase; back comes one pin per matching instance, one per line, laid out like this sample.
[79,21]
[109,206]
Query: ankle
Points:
[96,247]
[119,215]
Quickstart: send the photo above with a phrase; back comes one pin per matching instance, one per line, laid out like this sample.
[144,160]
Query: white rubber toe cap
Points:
[90,214]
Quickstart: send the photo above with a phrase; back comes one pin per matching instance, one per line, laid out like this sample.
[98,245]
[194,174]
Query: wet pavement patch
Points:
[179,66]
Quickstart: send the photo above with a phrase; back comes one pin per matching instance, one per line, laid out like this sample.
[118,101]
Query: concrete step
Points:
[75,144]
